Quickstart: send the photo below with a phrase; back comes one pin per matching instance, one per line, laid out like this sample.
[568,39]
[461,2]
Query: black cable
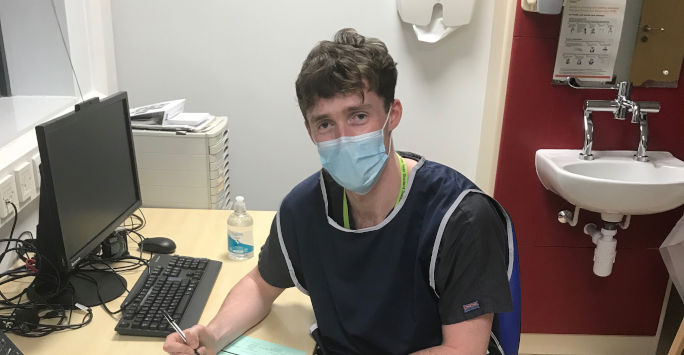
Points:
[14,240]
[25,319]
[97,259]
[31,329]
[97,290]
[141,222]
[144,219]
[2,295]
[13,271]
[55,284]
[93,268]
[132,263]
[26,232]
[122,282]
[14,223]
[134,230]
[91,262]
[30,238]
[142,238]
[59,286]
[44,262]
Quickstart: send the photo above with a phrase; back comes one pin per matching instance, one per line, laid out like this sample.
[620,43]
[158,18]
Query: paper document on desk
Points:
[245,345]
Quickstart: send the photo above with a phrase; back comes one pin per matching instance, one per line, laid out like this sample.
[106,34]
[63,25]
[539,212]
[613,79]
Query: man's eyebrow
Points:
[358,107]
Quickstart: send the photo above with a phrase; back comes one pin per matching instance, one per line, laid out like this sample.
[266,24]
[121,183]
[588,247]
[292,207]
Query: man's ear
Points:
[395,116]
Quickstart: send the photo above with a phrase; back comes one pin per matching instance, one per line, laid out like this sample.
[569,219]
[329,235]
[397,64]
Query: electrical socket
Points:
[36,170]
[8,191]
[26,186]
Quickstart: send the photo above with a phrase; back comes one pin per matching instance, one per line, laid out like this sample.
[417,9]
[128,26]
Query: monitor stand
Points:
[110,285]
[82,288]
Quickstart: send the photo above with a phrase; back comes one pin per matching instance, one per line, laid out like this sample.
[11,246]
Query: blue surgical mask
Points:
[355,162]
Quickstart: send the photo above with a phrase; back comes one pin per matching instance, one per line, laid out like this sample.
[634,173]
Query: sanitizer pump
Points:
[240,226]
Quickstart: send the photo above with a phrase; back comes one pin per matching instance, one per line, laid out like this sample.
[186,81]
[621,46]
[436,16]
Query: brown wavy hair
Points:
[348,64]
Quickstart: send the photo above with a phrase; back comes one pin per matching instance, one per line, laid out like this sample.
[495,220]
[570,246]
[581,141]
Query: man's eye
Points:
[360,116]
[323,125]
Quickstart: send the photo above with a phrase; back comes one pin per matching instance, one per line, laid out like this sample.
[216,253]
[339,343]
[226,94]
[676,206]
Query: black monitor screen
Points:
[93,173]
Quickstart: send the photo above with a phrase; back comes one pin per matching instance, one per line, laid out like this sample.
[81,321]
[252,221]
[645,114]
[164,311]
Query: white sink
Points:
[613,183]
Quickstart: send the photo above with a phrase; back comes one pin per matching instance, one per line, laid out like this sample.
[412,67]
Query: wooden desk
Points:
[199,233]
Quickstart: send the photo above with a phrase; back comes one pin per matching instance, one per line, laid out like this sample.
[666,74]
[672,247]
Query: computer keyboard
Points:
[7,347]
[178,284]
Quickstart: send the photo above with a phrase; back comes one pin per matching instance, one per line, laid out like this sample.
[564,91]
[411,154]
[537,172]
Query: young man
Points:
[398,254]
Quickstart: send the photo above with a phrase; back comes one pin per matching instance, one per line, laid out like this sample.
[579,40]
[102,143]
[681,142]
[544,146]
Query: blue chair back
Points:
[508,324]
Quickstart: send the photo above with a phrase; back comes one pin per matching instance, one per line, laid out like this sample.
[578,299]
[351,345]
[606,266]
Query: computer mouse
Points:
[158,245]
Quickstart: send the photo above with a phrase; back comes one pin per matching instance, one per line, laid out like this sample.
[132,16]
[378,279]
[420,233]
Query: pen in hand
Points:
[176,328]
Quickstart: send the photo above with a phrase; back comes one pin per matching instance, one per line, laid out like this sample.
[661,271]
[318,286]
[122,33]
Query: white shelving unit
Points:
[184,169]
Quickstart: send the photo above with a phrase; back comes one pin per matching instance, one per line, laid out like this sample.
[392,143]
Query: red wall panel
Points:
[560,292]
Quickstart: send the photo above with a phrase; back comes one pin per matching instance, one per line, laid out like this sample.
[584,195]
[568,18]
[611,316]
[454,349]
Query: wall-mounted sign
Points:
[589,39]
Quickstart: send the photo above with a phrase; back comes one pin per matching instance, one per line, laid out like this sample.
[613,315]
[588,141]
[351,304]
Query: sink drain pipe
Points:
[606,246]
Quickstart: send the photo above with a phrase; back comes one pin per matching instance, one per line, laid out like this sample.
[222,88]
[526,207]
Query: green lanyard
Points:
[404,182]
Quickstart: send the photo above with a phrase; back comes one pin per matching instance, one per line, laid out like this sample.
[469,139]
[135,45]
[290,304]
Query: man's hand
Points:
[247,303]
[199,338]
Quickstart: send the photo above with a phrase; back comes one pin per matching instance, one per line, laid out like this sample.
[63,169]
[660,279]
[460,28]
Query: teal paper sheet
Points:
[245,345]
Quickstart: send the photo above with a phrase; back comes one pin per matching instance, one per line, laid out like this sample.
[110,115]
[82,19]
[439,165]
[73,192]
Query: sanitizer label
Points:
[240,243]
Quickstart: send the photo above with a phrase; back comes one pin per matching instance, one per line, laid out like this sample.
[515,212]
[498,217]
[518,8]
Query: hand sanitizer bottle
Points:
[240,239]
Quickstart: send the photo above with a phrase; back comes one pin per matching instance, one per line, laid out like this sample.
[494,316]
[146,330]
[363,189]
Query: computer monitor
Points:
[89,186]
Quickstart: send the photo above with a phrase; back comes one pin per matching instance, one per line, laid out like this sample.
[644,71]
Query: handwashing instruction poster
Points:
[589,39]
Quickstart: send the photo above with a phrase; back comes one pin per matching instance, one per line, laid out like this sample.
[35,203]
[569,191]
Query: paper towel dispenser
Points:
[419,12]
[432,20]
[549,7]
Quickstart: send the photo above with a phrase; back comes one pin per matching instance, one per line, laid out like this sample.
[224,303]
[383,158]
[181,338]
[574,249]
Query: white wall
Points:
[242,59]
[37,61]
[89,24]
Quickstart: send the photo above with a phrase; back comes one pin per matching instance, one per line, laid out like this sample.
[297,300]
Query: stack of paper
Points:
[159,112]
[168,115]
[187,118]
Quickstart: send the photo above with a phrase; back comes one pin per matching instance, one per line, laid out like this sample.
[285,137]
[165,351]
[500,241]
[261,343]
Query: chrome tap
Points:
[620,107]
[643,138]
[624,103]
